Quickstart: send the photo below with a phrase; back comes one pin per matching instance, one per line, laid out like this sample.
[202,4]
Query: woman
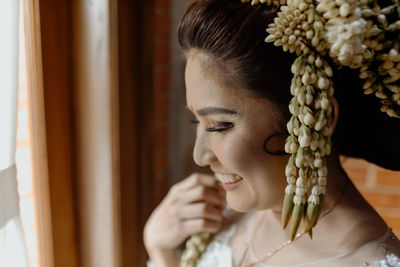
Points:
[237,88]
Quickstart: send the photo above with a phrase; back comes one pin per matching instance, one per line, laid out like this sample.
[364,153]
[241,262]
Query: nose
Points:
[202,152]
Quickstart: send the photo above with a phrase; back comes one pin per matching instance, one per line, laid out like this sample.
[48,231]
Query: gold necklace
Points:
[270,254]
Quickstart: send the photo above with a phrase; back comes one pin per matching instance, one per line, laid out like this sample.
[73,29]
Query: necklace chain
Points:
[288,242]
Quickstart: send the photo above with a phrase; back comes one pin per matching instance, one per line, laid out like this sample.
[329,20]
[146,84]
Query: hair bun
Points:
[363,131]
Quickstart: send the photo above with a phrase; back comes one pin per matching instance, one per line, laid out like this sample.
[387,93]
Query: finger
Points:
[197,179]
[200,225]
[202,193]
[201,211]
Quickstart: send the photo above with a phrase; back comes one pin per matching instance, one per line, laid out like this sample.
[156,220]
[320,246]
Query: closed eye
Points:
[194,121]
[220,127]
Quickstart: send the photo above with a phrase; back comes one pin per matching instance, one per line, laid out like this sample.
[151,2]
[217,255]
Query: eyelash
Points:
[220,126]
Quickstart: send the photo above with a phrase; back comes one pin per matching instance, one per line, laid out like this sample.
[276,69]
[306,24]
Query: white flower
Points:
[322,190]
[313,199]
[291,180]
[346,42]
[297,200]
[322,181]
[290,189]
[301,182]
[315,190]
[344,31]
[323,172]
[290,170]
[300,191]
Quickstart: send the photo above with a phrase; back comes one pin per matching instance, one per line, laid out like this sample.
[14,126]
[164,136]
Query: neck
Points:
[338,188]
[344,212]
[337,185]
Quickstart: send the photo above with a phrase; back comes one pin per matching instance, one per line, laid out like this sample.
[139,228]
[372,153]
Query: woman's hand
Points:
[191,206]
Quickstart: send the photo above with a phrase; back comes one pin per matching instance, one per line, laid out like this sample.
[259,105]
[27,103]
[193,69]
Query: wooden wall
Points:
[105,86]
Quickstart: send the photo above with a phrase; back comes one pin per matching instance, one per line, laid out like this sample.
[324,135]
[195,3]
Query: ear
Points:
[334,115]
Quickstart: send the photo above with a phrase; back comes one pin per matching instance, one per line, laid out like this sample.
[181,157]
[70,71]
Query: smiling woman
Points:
[237,87]
[242,131]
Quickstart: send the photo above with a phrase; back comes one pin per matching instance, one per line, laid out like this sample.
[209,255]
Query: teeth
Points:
[227,178]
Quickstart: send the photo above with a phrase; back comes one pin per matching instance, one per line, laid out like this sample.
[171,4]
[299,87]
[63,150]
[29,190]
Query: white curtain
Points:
[12,245]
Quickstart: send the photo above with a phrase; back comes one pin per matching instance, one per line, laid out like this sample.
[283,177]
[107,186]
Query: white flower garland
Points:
[352,33]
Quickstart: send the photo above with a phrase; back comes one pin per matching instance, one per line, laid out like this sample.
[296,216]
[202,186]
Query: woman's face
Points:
[231,131]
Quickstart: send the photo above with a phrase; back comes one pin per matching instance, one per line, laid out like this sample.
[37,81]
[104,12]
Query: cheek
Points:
[239,153]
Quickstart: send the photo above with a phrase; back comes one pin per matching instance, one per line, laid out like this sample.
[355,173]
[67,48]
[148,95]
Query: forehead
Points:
[204,87]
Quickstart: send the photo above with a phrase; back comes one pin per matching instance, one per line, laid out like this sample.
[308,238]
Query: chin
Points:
[239,204]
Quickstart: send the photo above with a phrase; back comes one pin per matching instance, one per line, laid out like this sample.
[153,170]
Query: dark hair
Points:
[232,34]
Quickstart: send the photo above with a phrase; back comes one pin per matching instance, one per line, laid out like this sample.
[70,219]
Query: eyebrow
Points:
[215,110]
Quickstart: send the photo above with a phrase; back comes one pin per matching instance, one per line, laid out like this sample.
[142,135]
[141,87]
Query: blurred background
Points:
[101,130]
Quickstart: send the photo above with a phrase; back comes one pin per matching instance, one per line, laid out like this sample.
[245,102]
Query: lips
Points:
[229,181]
[227,178]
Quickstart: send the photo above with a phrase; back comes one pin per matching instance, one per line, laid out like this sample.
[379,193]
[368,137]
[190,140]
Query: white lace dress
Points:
[381,252]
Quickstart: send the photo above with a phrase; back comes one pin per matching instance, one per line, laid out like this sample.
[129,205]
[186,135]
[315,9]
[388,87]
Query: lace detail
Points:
[390,261]
[218,252]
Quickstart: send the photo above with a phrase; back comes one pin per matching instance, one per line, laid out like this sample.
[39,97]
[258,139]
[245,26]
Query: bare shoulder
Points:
[384,251]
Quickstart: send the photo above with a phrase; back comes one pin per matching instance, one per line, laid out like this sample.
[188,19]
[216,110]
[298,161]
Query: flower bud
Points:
[314,146]
[294,108]
[315,190]
[323,172]
[326,131]
[290,170]
[344,10]
[382,20]
[322,181]
[328,148]
[306,78]
[303,6]
[291,40]
[309,98]
[287,148]
[301,98]
[293,147]
[305,141]
[318,26]
[309,34]
[388,64]
[270,38]
[291,179]
[323,83]
[299,161]
[288,31]
[331,13]
[284,39]
[300,191]
[290,189]
[322,190]
[318,62]
[318,163]
[301,182]
[367,12]
[325,103]
[328,70]
[313,199]
[298,200]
